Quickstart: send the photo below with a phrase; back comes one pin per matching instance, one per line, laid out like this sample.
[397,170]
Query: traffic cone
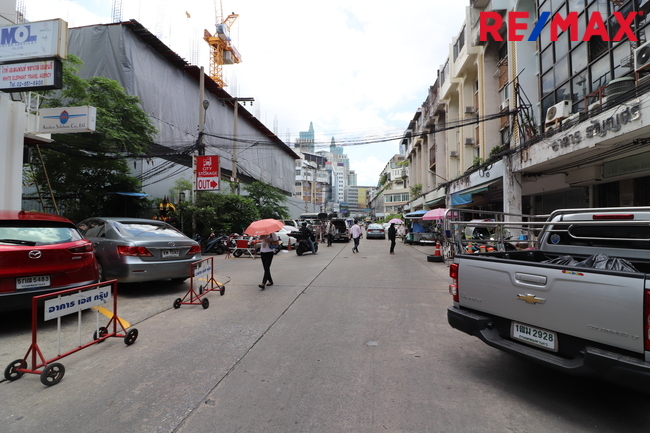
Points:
[289,245]
[437,252]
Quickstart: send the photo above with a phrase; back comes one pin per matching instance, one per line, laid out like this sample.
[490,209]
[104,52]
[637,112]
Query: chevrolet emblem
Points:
[531,299]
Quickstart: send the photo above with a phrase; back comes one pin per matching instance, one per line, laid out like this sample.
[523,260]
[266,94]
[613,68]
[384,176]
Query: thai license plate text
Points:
[535,336]
[31,282]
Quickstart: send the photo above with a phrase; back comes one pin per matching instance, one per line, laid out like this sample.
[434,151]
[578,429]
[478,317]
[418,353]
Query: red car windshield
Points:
[33,233]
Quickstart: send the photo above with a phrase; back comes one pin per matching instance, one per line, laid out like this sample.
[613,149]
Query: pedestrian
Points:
[392,232]
[266,251]
[331,229]
[355,234]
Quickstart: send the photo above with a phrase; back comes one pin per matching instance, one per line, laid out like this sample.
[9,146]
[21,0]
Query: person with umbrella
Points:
[266,229]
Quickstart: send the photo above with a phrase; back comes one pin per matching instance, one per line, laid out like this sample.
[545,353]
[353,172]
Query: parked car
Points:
[133,250]
[41,253]
[284,235]
[292,223]
[375,231]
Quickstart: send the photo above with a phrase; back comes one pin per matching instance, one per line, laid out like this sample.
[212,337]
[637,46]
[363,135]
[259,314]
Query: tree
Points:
[85,168]
[268,200]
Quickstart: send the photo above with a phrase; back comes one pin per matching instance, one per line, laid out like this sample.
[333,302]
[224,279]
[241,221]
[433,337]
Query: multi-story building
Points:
[533,126]
[357,199]
[392,193]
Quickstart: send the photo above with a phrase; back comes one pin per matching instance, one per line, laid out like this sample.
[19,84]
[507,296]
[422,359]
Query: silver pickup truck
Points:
[576,299]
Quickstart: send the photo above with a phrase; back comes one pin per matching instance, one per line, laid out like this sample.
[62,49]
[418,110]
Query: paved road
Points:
[341,343]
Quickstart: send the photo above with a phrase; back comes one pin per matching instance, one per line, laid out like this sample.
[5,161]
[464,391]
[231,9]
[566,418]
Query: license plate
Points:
[31,282]
[534,336]
[170,254]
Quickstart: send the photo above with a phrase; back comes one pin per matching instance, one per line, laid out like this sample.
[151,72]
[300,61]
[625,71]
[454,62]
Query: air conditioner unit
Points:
[470,110]
[572,119]
[642,56]
[595,107]
[505,105]
[558,111]
[469,142]
[453,154]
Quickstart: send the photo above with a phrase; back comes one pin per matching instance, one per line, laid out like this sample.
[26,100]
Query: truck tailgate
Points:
[597,305]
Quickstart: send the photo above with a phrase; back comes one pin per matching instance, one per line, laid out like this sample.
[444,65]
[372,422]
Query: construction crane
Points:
[222,52]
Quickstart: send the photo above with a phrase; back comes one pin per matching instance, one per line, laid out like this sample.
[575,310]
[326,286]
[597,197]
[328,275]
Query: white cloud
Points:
[356,69]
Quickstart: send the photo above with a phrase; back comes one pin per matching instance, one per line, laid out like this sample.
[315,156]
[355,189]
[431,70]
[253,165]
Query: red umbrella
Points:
[264,227]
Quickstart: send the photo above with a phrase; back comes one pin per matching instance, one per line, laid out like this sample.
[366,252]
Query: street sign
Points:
[34,40]
[35,75]
[66,120]
[207,173]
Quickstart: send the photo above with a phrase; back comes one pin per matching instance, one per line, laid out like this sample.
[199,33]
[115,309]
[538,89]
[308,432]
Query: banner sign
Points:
[207,173]
[75,302]
[36,40]
[36,75]
[67,120]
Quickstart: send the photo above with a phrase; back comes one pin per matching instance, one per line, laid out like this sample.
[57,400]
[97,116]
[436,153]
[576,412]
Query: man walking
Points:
[392,232]
[330,233]
[355,234]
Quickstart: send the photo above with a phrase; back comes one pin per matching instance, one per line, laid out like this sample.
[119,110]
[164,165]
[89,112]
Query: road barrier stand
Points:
[201,275]
[63,303]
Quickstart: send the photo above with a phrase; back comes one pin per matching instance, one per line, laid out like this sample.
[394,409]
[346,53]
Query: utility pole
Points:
[203,107]
[235,102]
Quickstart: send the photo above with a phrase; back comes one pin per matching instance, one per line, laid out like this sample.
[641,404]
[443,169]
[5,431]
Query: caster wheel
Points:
[131,336]
[200,290]
[222,291]
[177,303]
[102,331]
[205,303]
[10,371]
[52,374]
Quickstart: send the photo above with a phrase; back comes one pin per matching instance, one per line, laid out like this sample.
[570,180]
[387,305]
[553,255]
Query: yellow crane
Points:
[222,52]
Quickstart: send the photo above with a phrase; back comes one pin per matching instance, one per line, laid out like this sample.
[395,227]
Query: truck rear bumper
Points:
[608,365]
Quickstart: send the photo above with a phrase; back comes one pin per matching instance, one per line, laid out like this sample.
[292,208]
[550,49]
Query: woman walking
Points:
[266,251]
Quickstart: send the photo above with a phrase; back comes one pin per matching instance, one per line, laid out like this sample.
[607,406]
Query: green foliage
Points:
[477,161]
[232,212]
[268,200]
[416,191]
[84,168]
[383,179]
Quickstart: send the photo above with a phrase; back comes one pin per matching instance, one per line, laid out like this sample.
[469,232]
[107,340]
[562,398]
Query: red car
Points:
[41,253]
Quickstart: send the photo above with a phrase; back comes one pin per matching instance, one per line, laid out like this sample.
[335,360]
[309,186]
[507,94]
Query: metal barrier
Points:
[203,271]
[63,303]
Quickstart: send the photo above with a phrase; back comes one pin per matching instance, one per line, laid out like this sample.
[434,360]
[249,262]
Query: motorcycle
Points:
[218,245]
[302,245]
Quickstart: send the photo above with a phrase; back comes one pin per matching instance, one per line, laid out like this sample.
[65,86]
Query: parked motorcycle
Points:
[302,245]
[218,245]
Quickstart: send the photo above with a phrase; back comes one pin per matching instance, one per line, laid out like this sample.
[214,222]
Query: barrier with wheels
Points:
[63,303]
[201,275]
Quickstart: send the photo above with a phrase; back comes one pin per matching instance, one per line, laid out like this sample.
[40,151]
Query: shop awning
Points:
[415,215]
[465,197]
[435,201]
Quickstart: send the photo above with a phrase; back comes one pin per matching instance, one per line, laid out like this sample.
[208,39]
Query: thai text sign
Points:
[40,39]
[64,305]
[207,173]
[68,120]
[36,75]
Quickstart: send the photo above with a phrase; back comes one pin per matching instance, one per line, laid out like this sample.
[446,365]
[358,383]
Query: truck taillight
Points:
[646,317]
[453,287]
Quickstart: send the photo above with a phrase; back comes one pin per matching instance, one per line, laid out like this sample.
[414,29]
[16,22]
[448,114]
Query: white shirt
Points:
[355,230]
[266,243]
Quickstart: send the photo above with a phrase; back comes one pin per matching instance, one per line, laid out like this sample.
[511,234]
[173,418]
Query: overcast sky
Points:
[357,69]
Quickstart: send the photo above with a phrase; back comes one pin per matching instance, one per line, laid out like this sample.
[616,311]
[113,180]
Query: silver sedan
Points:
[134,250]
